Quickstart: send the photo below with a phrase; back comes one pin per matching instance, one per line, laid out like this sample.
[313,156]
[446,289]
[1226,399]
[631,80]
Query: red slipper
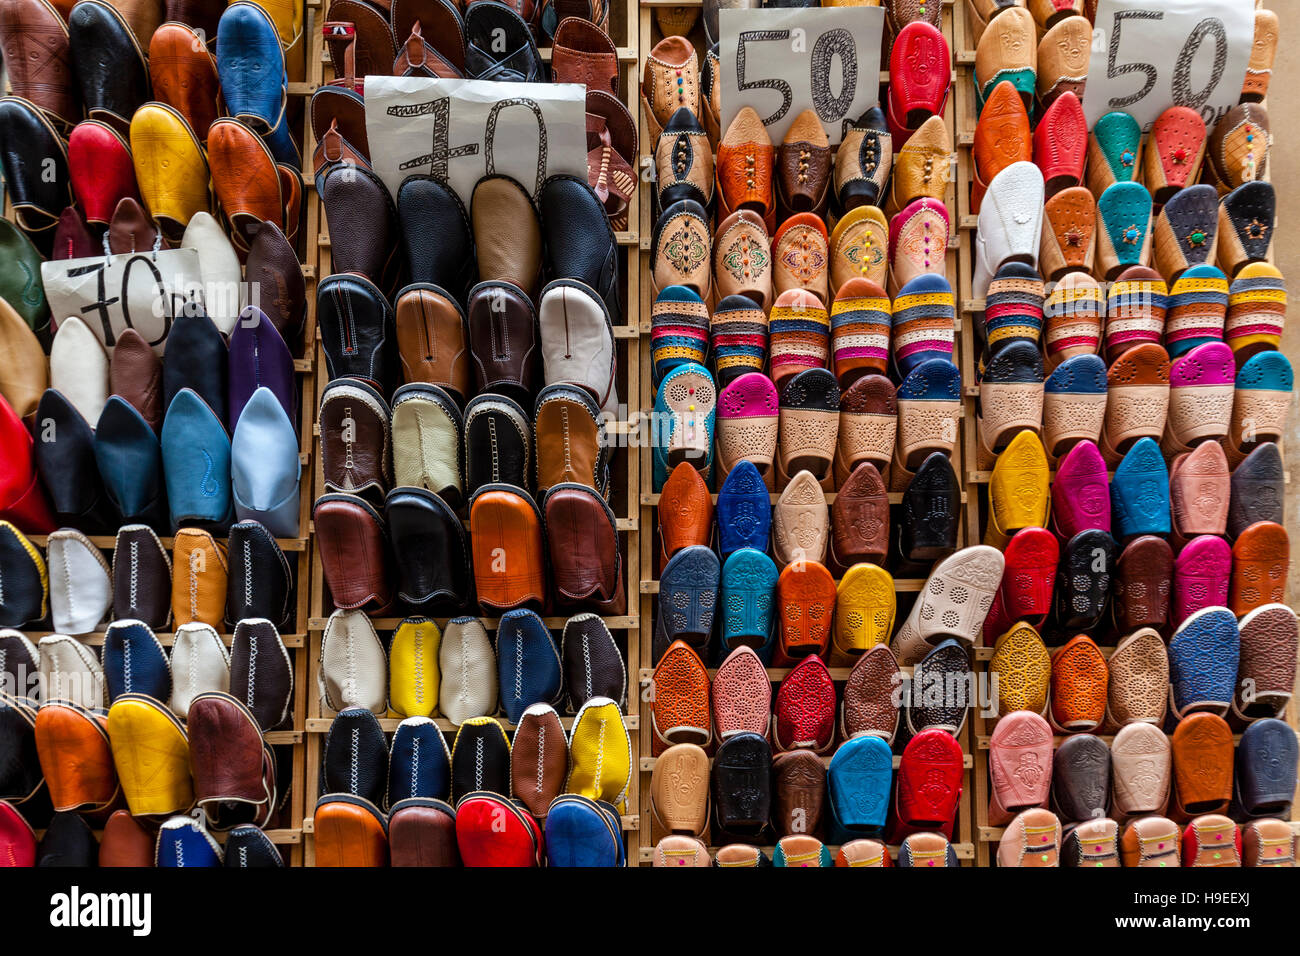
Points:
[805,708]
[929,784]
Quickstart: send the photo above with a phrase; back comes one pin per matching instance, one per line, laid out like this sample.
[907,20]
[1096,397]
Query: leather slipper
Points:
[686,403]
[681,245]
[679,790]
[1256,310]
[1137,400]
[1123,228]
[184,841]
[491,829]
[679,330]
[1094,843]
[742,780]
[1140,770]
[929,785]
[1018,489]
[1032,839]
[529,670]
[737,338]
[1200,396]
[600,753]
[800,522]
[1081,492]
[1264,387]
[801,850]
[1007,51]
[1185,234]
[799,330]
[1267,842]
[1256,489]
[1139,491]
[1175,150]
[748,423]
[858,781]
[805,592]
[20,663]
[801,256]
[586,564]
[1212,840]
[573,311]
[676,850]
[1267,666]
[954,602]
[805,708]
[1011,396]
[353,668]
[868,426]
[1013,308]
[1010,225]
[1074,403]
[688,591]
[429,549]
[1260,561]
[1002,135]
[925,850]
[1139,676]
[1025,594]
[135,662]
[1136,304]
[1081,779]
[679,712]
[860,519]
[860,324]
[81,590]
[929,409]
[1203,656]
[1068,245]
[741,695]
[749,579]
[356,756]
[539,760]
[1150,841]
[468,668]
[808,423]
[1202,749]
[1143,584]
[1199,487]
[75,755]
[798,793]
[1266,774]
[742,259]
[1079,679]
[918,244]
[864,613]
[1062,130]
[498,443]
[354,552]
[68,841]
[940,690]
[1246,219]
[1201,577]
[419,763]
[744,510]
[870,702]
[1020,765]
[505,517]
[593,663]
[480,758]
[924,323]
[1023,669]
[422,832]
[927,531]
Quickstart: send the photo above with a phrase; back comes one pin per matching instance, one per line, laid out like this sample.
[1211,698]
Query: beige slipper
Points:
[954,603]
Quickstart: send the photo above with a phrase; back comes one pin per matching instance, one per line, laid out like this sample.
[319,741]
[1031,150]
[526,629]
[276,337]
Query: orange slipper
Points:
[805,595]
[1260,561]
[1079,679]
[679,712]
[1202,748]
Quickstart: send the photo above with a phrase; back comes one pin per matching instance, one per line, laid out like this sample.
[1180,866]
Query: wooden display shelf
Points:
[321,725]
[628,822]
[165,638]
[895,498]
[901,585]
[774,674]
[622,623]
[964,851]
[648,763]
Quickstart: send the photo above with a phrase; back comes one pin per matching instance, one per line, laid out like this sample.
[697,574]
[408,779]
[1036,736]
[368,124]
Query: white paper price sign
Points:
[782,61]
[462,130]
[1149,55]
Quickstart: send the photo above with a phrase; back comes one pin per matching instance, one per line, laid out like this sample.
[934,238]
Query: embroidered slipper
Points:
[1011,397]
[1081,778]
[799,795]
[1018,490]
[801,526]
[929,411]
[748,582]
[929,785]
[742,784]
[742,258]
[1260,561]
[1264,392]
[800,850]
[863,853]
[688,593]
[1143,584]
[742,695]
[1202,748]
[1020,765]
[1257,489]
[954,602]
[870,703]
[1123,228]
[1032,839]
[600,753]
[1201,577]
[808,423]
[744,510]
[865,604]
[1256,310]
[1083,579]
[1175,151]
[1139,676]
[801,256]
[1267,665]
[1139,492]
[1081,492]
[1150,841]
[1002,135]
[1074,403]
[1073,317]
[860,327]
[925,850]
[1212,840]
[918,243]
[1023,669]
[1079,678]
[1247,216]
[1136,306]
[859,247]
[805,708]
[685,407]
[1094,843]
[748,423]
[1203,657]
[1199,486]
[1025,594]
[805,592]
[679,713]
[1185,232]
[679,790]
[1114,151]
[1267,842]
[940,690]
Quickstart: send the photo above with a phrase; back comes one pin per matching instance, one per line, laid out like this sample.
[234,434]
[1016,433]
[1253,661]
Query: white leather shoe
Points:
[223,290]
[469,671]
[1010,223]
[79,368]
[577,340]
[353,665]
[81,585]
[200,665]
[70,671]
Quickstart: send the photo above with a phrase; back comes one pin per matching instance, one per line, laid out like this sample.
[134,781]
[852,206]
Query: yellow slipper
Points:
[152,754]
[1018,491]
[413,673]
[864,613]
[600,753]
[1023,668]
[170,167]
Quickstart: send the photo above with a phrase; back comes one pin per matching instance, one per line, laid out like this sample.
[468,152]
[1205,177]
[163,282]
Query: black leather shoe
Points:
[593,664]
[20,663]
[66,464]
[498,443]
[142,577]
[931,511]
[357,330]
[366,236]
[500,46]
[500,312]
[68,841]
[112,70]
[742,783]
[25,598]
[35,162]
[1258,484]
[480,757]
[261,673]
[20,772]
[248,847]
[579,243]
[429,546]
[356,756]
[260,578]
[196,359]
[862,186]
[1081,779]
[129,456]
[940,690]
[1083,579]
[438,236]
[355,443]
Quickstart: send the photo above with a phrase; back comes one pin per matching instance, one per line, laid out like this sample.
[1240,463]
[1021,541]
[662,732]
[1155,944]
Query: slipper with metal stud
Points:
[1200,396]
[1266,769]
[748,423]
[1029,575]
[1079,679]
[1175,150]
[1257,487]
[1260,561]
[940,690]
[1123,228]
[929,785]
[685,403]
[1068,245]
[1143,584]
[741,695]
[1139,678]
[1081,778]
[744,510]
[1081,492]
[1011,396]
[1264,391]
[749,580]
[688,593]
[804,708]
[927,530]
[1083,579]
[954,602]
[679,712]
[805,593]
[1074,403]
[860,519]
[1267,666]
[868,426]
[1202,749]
[1203,657]
[1199,487]
[1256,310]
[864,613]
[1185,232]
[1202,573]
[1139,491]
[929,409]
[1141,765]
[742,784]
[1020,765]
[1151,841]
[870,700]
[808,423]
[1023,669]
[1135,308]
[1018,489]
[679,790]
[857,781]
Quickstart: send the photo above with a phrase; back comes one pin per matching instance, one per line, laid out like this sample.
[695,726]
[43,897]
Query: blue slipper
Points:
[1203,656]
[684,416]
[196,463]
[1078,375]
[250,65]
[744,510]
[579,833]
[858,781]
[1139,491]
[135,662]
[1264,385]
[419,763]
[928,396]
[1267,371]
[528,663]
[679,330]
[688,595]
[184,841]
[748,584]
[1266,769]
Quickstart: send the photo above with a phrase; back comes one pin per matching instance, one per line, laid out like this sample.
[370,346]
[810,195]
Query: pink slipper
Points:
[1201,574]
[747,423]
[1201,387]
[1020,765]
[1081,492]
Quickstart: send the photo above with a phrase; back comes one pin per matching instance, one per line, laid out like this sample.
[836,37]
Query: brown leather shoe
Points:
[868,425]
[582,52]
[1202,751]
[509,550]
[539,759]
[354,552]
[35,40]
[685,511]
[184,76]
[870,700]
[671,80]
[245,179]
[921,167]
[1238,146]
[1260,560]
[501,312]
[803,163]
[798,793]
[1063,54]
[586,564]
[860,519]
[1069,233]
[745,167]
[432,340]
[569,438]
[1143,579]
